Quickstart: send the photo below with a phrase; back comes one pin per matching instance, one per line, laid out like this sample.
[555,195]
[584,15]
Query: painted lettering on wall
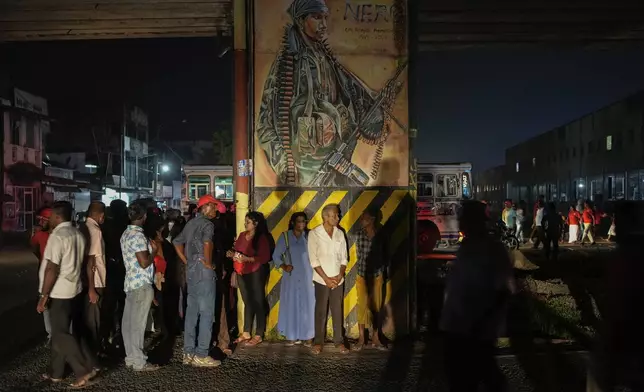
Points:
[368,13]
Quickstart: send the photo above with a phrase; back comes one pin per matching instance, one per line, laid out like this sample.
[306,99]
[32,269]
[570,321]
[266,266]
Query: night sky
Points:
[473,103]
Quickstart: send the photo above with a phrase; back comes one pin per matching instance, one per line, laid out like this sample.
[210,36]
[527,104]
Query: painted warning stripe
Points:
[279,205]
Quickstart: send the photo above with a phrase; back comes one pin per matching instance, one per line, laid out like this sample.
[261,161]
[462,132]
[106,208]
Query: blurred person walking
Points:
[478,287]
[370,281]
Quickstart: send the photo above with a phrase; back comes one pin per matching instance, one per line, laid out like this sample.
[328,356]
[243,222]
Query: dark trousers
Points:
[551,245]
[326,298]
[540,236]
[254,296]
[222,310]
[470,362]
[96,321]
[65,347]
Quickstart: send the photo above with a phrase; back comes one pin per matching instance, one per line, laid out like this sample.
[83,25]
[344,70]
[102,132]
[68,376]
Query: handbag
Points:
[286,256]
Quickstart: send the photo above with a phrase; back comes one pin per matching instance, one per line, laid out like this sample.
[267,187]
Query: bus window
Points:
[224,188]
[467,186]
[447,185]
[198,186]
[426,185]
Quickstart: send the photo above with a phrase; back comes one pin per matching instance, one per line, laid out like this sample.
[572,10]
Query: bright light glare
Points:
[165,168]
[581,185]
[90,166]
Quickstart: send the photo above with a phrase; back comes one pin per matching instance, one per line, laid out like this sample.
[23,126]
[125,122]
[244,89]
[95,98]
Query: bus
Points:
[441,187]
[200,180]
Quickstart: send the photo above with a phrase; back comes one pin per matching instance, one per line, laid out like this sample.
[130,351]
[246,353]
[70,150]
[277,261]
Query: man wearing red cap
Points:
[38,244]
[195,248]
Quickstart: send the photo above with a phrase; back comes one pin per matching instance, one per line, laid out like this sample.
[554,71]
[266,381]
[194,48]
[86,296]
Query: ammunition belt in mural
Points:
[364,135]
[283,98]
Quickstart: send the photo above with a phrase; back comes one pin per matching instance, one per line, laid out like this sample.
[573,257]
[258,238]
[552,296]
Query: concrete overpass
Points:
[440,25]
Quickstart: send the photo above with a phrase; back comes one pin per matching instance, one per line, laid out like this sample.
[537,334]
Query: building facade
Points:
[24,122]
[490,185]
[599,156]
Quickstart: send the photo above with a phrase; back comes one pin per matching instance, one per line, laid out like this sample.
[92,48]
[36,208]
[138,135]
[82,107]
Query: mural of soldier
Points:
[314,110]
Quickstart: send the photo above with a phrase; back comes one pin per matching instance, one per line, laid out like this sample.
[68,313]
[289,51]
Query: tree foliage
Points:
[222,144]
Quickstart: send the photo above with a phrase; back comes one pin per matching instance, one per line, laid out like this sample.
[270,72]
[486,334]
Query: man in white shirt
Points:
[328,254]
[60,285]
[96,274]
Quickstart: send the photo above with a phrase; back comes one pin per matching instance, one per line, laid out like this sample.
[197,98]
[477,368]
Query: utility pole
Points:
[240,118]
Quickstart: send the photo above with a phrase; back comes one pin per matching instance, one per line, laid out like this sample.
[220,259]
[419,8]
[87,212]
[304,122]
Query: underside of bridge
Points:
[442,24]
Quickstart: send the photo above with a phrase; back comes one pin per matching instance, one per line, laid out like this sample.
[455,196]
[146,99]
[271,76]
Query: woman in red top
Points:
[250,253]
[573,225]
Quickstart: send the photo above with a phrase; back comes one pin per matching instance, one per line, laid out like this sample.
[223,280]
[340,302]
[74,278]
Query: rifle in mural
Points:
[339,161]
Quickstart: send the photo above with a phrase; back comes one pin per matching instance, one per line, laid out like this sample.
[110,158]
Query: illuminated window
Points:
[198,186]
[224,188]
[517,167]
[609,143]
[447,185]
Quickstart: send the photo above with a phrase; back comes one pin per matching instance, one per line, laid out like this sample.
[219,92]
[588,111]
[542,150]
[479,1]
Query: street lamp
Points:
[165,168]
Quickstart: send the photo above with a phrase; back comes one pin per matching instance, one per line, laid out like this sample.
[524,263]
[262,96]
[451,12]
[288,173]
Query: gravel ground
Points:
[272,366]
[23,357]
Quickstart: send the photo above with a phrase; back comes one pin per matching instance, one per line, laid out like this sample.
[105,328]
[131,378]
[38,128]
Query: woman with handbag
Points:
[250,253]
[297,297]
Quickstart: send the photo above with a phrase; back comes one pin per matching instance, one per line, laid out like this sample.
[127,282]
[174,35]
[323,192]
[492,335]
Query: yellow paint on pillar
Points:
[334,198]
[357,208]
[299,205]
[272,201]
[241,209]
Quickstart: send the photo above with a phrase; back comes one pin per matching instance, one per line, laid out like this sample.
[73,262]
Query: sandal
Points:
[241,339]
[316,349]
[379,346]
[85,381]
[357,347]
[47,377]
[227,352]
[308,343]
[343,349]
[289,343]
[254,342]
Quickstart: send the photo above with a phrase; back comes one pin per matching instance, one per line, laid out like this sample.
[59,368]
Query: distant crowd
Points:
[549,225]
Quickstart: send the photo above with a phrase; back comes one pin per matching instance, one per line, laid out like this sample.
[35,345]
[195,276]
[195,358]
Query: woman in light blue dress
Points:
[297,297]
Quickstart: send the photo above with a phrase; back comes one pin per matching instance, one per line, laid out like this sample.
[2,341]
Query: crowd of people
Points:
[127,270]
[550,225]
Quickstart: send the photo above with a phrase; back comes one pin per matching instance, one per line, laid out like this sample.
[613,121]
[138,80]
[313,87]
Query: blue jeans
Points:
[135,318]
[201,308]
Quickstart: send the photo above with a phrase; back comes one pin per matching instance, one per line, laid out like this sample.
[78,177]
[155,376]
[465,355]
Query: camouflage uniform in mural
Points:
[314,111]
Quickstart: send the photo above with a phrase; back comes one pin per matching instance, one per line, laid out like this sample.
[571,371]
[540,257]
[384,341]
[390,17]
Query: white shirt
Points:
[538,220]
[328,252]
[96,248]
[65,248]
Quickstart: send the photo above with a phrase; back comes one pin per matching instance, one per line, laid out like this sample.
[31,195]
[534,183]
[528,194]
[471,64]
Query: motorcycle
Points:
[505,235]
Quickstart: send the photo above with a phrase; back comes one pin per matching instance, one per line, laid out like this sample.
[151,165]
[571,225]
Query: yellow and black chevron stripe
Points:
[278,205]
